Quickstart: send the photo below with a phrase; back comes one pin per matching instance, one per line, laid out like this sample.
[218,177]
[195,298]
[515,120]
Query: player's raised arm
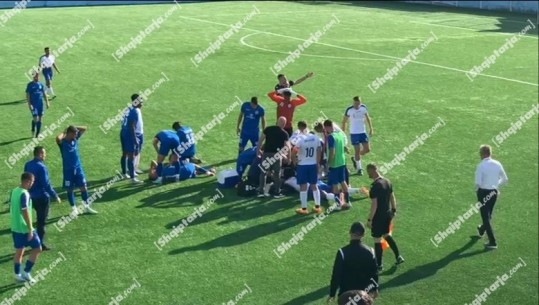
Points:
[275,97]
[300,80]
[299,100]
[60,137]
[81,130]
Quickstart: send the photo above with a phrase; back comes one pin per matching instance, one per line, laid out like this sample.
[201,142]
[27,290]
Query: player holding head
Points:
[286,106]
[357,113]
[46,63]
[337,164]
[308,153]
[251,114]
[383,209]
[68,141]
[129,139]
[285,83]
[164,142]
[35,93]
[23,233]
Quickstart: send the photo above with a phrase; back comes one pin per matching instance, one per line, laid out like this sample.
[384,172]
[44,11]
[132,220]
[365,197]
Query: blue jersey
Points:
[187,146]
[130,116]
[70,155]
[166,136]
[187,171]
[36,91]
[251,118]
[247,156]
[42,187]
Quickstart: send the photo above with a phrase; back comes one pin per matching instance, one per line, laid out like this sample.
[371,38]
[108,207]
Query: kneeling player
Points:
[308,153]
[176,171]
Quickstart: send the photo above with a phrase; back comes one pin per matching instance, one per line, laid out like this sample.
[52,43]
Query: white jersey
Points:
[139,127]
[356,118]
[296,134]
[308,146]
[46,62]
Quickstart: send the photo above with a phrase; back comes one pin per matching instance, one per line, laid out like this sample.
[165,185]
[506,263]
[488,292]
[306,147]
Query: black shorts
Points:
[380,227]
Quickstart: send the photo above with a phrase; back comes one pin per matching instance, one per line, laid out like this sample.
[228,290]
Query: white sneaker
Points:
[136,174]
[126,176]
[89,210]
[267,188]
[19,278]
[158,180]
[74,211]
[136,181]
[27,277]
[138,171]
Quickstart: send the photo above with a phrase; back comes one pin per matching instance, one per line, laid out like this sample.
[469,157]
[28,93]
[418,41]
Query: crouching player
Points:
[308,151]
[168,142]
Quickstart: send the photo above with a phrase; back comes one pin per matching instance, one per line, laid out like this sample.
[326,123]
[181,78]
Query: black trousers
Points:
[488,199]
[41,205]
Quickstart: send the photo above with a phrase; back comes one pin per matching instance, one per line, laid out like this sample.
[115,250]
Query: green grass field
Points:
[230,247]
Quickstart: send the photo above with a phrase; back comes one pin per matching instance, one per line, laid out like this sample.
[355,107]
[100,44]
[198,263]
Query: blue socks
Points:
[38,128]
[159,169]
[17,267]
[33,125]
[71,198]
[28,267]
[131,167]
[84,196]
[123,163]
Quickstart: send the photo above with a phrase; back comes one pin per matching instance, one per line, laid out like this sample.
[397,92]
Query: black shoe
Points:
[479,231]
[400,260]
[354,162]
[490,246]
[45,248]
[380,268]
[196,160]
[360,172]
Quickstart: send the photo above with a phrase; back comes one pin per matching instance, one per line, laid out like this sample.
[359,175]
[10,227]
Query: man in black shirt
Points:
[355,297]
[382,196]
[355,266]
[276,149]
[285,83]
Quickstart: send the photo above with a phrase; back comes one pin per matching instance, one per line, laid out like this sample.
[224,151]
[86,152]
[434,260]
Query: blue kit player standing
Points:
[24,235]
[187,148]
[357,114]
[68,142]
[251,114]
[309,151]
[35,93]
[164,142]
[46,63]
[129,139]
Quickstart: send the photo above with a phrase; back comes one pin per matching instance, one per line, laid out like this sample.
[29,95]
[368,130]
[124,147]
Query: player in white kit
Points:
[358,115]
[46,63]
[308,151]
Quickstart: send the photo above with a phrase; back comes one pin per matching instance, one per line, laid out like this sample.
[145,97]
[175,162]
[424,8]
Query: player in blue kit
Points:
[164,142]
[308,151]
[35,93]
[251,114]
[245,159]
[68,141]
[178,171]
[129,139]
[187,146]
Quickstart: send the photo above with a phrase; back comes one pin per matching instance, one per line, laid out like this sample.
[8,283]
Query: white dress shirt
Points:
[490,174]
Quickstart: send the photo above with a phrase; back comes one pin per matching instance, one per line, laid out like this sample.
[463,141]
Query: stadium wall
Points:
[30,4]
[528,7]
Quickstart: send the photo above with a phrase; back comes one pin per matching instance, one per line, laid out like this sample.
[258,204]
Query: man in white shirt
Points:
[46,63]
[139,132]
[489,176]
[357,114]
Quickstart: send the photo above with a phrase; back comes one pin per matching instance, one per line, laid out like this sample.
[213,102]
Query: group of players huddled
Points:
[303,159]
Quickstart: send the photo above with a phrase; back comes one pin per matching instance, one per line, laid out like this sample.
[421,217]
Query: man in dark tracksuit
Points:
[355,266]
[41,191]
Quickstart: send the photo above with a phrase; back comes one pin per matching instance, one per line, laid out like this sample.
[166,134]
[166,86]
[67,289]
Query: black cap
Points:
[357,228]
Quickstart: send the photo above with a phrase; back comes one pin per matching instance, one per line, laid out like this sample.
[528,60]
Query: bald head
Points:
[281,121]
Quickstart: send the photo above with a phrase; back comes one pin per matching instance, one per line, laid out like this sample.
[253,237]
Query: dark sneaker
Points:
[278,196]
[400,260]
[479,231]
[380,268]
[360,172]
[490,246]
[45,248]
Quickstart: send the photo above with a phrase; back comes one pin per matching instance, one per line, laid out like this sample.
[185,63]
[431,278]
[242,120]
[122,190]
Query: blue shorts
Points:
[20,240]
[140,138]
[38,111]
[337,175]
[245,138]
[307,174]
[166,147]
[169,171]
[74,179]
[128,145]
[47,73]
[359,138]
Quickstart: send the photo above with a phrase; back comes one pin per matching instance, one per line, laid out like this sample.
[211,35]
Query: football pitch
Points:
[228,253]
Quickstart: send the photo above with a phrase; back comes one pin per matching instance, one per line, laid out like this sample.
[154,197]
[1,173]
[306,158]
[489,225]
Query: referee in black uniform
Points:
[489,176]
[355,266]
[383,209]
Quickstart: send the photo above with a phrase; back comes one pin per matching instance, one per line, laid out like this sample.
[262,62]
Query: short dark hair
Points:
[287,93]
[359,297]
[372,166]
[38,150]
[254,100]
[46,48]
[328,123]
[26,176]
[357,228]
[357,98]
[71,129]
[176,125]
[302,124]
[134,97]
[318,126]
[280,75]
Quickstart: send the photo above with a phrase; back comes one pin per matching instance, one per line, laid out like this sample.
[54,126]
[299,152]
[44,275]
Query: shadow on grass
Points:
[224,162]
[13,103]
[14,141]
[246,235]
[193,193]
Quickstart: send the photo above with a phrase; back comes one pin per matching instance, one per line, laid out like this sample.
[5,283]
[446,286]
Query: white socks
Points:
[316,195]
[303,199]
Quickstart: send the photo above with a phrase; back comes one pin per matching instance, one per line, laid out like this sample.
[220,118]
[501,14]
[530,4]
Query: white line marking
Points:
[242,41]
[469,29]
[365,52]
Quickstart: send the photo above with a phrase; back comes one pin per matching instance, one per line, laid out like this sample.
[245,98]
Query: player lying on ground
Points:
[178,171]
